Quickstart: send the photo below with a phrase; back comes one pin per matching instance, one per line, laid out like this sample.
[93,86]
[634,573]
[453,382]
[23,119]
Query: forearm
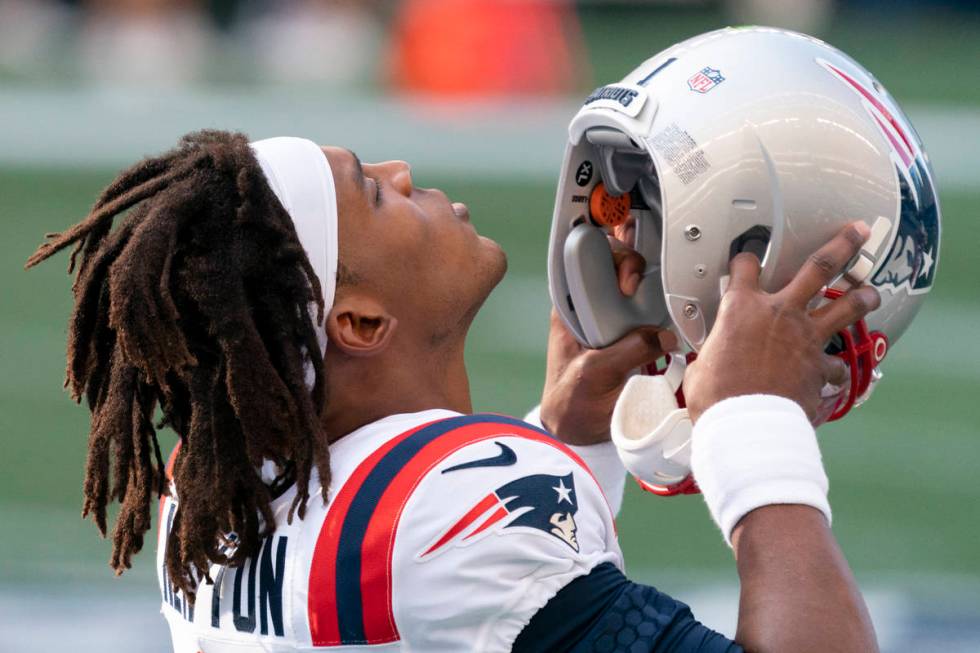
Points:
[758,464]
[798,593]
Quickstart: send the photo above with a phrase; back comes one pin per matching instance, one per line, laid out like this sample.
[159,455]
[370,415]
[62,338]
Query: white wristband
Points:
[753,451]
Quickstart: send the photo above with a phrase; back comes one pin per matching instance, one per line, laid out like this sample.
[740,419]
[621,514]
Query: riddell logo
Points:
[619,94]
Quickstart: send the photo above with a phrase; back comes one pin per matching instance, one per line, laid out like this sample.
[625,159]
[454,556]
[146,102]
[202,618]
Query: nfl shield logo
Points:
[705,80]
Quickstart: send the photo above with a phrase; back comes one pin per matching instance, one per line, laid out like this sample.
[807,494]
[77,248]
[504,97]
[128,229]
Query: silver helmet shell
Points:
[747,138]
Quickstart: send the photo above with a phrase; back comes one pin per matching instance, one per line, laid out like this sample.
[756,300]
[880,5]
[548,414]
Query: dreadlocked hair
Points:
[197,303]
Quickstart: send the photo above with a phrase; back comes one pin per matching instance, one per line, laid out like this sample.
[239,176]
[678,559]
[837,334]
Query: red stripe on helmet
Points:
[902,154]
[910,151]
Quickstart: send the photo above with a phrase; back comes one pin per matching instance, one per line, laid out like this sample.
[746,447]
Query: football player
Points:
[299,318]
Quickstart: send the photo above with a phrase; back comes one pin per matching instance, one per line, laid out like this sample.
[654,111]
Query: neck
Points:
[364,390]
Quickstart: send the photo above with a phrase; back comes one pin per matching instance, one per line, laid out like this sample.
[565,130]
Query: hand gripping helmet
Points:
[753,139]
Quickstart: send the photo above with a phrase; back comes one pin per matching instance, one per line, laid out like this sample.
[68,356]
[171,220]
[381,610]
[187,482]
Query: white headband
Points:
[299,174]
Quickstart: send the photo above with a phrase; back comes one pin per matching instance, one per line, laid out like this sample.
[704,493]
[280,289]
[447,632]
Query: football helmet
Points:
[742,139]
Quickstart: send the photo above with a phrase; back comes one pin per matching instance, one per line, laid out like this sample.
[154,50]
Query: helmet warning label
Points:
[681,152]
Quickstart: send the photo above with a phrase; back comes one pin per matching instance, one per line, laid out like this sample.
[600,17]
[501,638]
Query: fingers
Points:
[835,370]
[846,310]
[637,348]
[561,342]
[562,348]
[630,266]
[668,341]
[744,270]
[626,232]
[825,264]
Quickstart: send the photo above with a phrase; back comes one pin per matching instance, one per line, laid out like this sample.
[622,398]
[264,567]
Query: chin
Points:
[497,261]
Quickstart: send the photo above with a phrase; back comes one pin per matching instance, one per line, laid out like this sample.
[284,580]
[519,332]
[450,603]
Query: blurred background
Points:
[476,94]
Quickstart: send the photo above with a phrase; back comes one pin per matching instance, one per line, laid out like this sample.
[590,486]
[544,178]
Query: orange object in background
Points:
[486,47]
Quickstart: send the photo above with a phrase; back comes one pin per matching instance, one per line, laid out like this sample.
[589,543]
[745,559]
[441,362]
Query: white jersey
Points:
[443,532]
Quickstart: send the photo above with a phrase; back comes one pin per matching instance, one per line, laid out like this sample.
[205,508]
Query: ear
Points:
[360,326]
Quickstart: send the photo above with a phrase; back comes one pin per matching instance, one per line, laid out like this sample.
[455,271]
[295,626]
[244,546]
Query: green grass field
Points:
[903,468]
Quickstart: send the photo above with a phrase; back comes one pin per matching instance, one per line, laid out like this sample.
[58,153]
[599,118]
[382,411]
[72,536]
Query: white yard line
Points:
[79,127]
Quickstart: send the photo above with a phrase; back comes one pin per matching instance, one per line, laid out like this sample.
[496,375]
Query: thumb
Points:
[637,348]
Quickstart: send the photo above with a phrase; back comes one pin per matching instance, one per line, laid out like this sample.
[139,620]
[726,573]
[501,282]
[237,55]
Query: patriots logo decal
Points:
[542,502]
[911,263]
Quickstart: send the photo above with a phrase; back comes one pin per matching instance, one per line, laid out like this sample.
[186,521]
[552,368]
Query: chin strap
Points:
[659,459]
[862,353]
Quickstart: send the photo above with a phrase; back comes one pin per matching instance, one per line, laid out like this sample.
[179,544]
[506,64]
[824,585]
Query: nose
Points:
[398,174]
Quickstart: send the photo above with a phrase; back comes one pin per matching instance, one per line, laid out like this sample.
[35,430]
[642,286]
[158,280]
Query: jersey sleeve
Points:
[604,611]
[489,536]
[602,459]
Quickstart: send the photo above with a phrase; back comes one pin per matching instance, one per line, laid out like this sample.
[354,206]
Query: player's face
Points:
[412,247]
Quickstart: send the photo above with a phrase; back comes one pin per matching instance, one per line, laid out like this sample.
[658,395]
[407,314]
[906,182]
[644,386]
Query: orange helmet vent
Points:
[606,210]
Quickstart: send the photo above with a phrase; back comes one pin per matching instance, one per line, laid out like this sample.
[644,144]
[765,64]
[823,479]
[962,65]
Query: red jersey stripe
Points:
[379,541]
